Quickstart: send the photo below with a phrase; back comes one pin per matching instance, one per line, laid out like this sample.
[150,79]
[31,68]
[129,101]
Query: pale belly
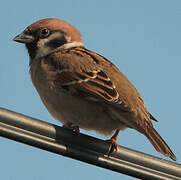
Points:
[85,114]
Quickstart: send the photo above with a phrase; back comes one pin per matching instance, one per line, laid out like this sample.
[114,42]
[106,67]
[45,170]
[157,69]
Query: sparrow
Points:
[83,89]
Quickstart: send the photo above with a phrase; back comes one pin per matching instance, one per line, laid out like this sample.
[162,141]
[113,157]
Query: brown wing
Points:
[88,77]
[93,86]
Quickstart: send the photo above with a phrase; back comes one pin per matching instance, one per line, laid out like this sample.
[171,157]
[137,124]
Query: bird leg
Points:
[71,126]
[113,141]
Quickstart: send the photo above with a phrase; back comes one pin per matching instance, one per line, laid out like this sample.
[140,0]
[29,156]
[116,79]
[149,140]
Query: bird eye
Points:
[44,32]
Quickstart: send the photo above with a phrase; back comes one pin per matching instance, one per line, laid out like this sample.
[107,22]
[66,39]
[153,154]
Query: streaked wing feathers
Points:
[91,85]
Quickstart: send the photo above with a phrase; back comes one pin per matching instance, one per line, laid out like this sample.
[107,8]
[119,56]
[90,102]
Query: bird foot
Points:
[113,142]
[114,146]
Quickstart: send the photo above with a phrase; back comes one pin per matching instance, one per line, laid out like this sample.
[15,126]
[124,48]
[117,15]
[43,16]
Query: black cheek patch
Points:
[56,42]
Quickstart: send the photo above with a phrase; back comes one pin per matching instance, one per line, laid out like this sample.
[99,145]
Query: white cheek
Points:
[42,42]
[43,50]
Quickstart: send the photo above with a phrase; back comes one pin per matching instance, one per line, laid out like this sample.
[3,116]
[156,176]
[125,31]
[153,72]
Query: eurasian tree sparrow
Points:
[81,88]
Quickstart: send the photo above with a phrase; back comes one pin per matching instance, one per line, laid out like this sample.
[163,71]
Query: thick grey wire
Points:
[85,148]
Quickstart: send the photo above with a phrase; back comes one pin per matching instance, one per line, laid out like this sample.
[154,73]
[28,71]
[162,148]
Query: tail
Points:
[159,144]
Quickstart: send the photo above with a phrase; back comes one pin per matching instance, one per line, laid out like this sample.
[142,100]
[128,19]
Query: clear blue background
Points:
[143,38]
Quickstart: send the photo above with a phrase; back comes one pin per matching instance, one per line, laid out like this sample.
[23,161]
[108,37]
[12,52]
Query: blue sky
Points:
[143,38]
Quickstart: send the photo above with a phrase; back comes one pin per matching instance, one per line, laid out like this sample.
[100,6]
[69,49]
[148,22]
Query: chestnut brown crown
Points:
[57,24]
[49,35]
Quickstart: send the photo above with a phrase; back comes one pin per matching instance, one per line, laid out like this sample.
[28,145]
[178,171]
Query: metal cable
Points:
[85,148]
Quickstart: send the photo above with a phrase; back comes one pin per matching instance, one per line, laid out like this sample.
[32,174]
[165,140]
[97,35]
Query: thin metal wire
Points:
[85,148]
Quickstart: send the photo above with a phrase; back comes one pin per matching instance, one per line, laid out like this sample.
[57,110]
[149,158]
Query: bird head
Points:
[49,35]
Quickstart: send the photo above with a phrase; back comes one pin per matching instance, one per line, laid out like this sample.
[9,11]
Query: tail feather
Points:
[159,144]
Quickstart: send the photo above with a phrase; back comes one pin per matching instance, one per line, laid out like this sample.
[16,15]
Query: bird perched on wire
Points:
[81,88]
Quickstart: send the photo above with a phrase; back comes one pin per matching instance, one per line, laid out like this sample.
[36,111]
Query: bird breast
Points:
[64,107]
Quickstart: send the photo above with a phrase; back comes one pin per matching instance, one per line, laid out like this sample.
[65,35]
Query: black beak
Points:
[24,38]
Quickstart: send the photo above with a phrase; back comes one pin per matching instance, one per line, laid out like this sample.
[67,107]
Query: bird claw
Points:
[113,141]
[114,146]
